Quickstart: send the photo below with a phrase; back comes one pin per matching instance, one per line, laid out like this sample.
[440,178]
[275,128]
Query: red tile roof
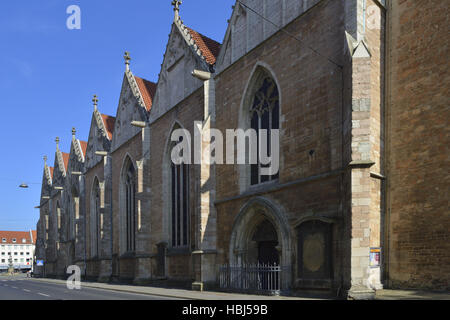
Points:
[51,172]
[34,235]
[109,121]
[65,159]
[18,235]
[83,145]
[148,90]
[210,48]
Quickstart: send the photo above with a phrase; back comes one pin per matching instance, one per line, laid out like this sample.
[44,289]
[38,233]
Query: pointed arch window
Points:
[46,226]
[264,115]
[96,218]
[179,202]
[58,217]
[74,213]
[130,206]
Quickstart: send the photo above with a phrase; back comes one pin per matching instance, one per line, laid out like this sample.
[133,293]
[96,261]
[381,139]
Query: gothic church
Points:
[344,214]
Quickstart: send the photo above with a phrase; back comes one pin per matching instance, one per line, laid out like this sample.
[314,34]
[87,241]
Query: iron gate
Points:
[255,278]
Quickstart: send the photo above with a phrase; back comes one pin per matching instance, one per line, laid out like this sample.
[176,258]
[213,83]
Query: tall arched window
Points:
[58,225]
[264,114]
[74,213]
[130,206]
[179,202]
[58,218]
[95,218]
[46,226]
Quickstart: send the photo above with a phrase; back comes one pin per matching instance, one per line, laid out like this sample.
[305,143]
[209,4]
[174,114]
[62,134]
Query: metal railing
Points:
[254,278]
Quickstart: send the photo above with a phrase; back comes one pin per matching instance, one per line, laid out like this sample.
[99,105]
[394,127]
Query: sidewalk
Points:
[386,294]
[389,294]
[175,293]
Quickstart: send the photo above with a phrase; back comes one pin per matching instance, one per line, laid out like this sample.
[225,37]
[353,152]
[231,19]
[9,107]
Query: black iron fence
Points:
[254,278]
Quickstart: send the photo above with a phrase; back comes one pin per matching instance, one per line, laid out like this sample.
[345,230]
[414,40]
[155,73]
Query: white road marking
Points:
[15,288]
[26,290]
[42,294]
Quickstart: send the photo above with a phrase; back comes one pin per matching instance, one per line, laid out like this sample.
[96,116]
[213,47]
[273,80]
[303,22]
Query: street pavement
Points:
[20,287]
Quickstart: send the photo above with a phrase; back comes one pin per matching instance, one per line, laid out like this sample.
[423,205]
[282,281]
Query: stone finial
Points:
[57,143]
[74,132]
[127,59]
[176,8]
[45,160]
[95,101]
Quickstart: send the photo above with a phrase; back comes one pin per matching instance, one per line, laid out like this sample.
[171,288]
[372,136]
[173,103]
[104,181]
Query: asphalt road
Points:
[22,288]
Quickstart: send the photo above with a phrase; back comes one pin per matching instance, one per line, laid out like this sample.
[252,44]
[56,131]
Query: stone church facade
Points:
[335,78]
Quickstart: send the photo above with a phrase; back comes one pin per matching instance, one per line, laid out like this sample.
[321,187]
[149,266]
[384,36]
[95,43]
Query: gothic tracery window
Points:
[130,207]
[58,218]
[96,234]
[179,203]
[264,115]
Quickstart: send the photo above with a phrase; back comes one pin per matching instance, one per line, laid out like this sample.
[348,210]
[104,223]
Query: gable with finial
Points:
[135,103]
[186,50]
[60,166]
[100,136]
[77,154]
[46,186]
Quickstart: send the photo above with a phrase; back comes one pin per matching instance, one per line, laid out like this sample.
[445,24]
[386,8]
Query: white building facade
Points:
[18,248]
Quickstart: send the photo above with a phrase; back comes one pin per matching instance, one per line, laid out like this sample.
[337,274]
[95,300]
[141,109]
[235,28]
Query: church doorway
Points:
[260,247]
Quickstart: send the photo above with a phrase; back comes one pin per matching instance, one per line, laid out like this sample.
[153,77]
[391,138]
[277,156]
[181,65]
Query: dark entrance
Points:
[267,252]
[266,238]
[268,256]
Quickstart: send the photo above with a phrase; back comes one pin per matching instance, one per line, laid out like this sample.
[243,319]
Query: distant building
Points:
[19,246]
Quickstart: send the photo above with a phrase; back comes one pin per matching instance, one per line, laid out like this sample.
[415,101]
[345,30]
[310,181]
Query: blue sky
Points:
[49,73]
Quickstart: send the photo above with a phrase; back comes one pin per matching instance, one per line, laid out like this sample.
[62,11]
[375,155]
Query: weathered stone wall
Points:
[310,87]
[178,264]
[133,149]
[418,140]
[93,267]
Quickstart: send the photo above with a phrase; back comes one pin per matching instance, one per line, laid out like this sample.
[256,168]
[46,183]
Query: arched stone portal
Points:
[261,234]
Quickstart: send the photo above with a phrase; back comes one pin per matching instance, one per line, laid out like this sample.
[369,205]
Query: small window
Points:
[14,240]
[3,260]
[3,240]
[15,253]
